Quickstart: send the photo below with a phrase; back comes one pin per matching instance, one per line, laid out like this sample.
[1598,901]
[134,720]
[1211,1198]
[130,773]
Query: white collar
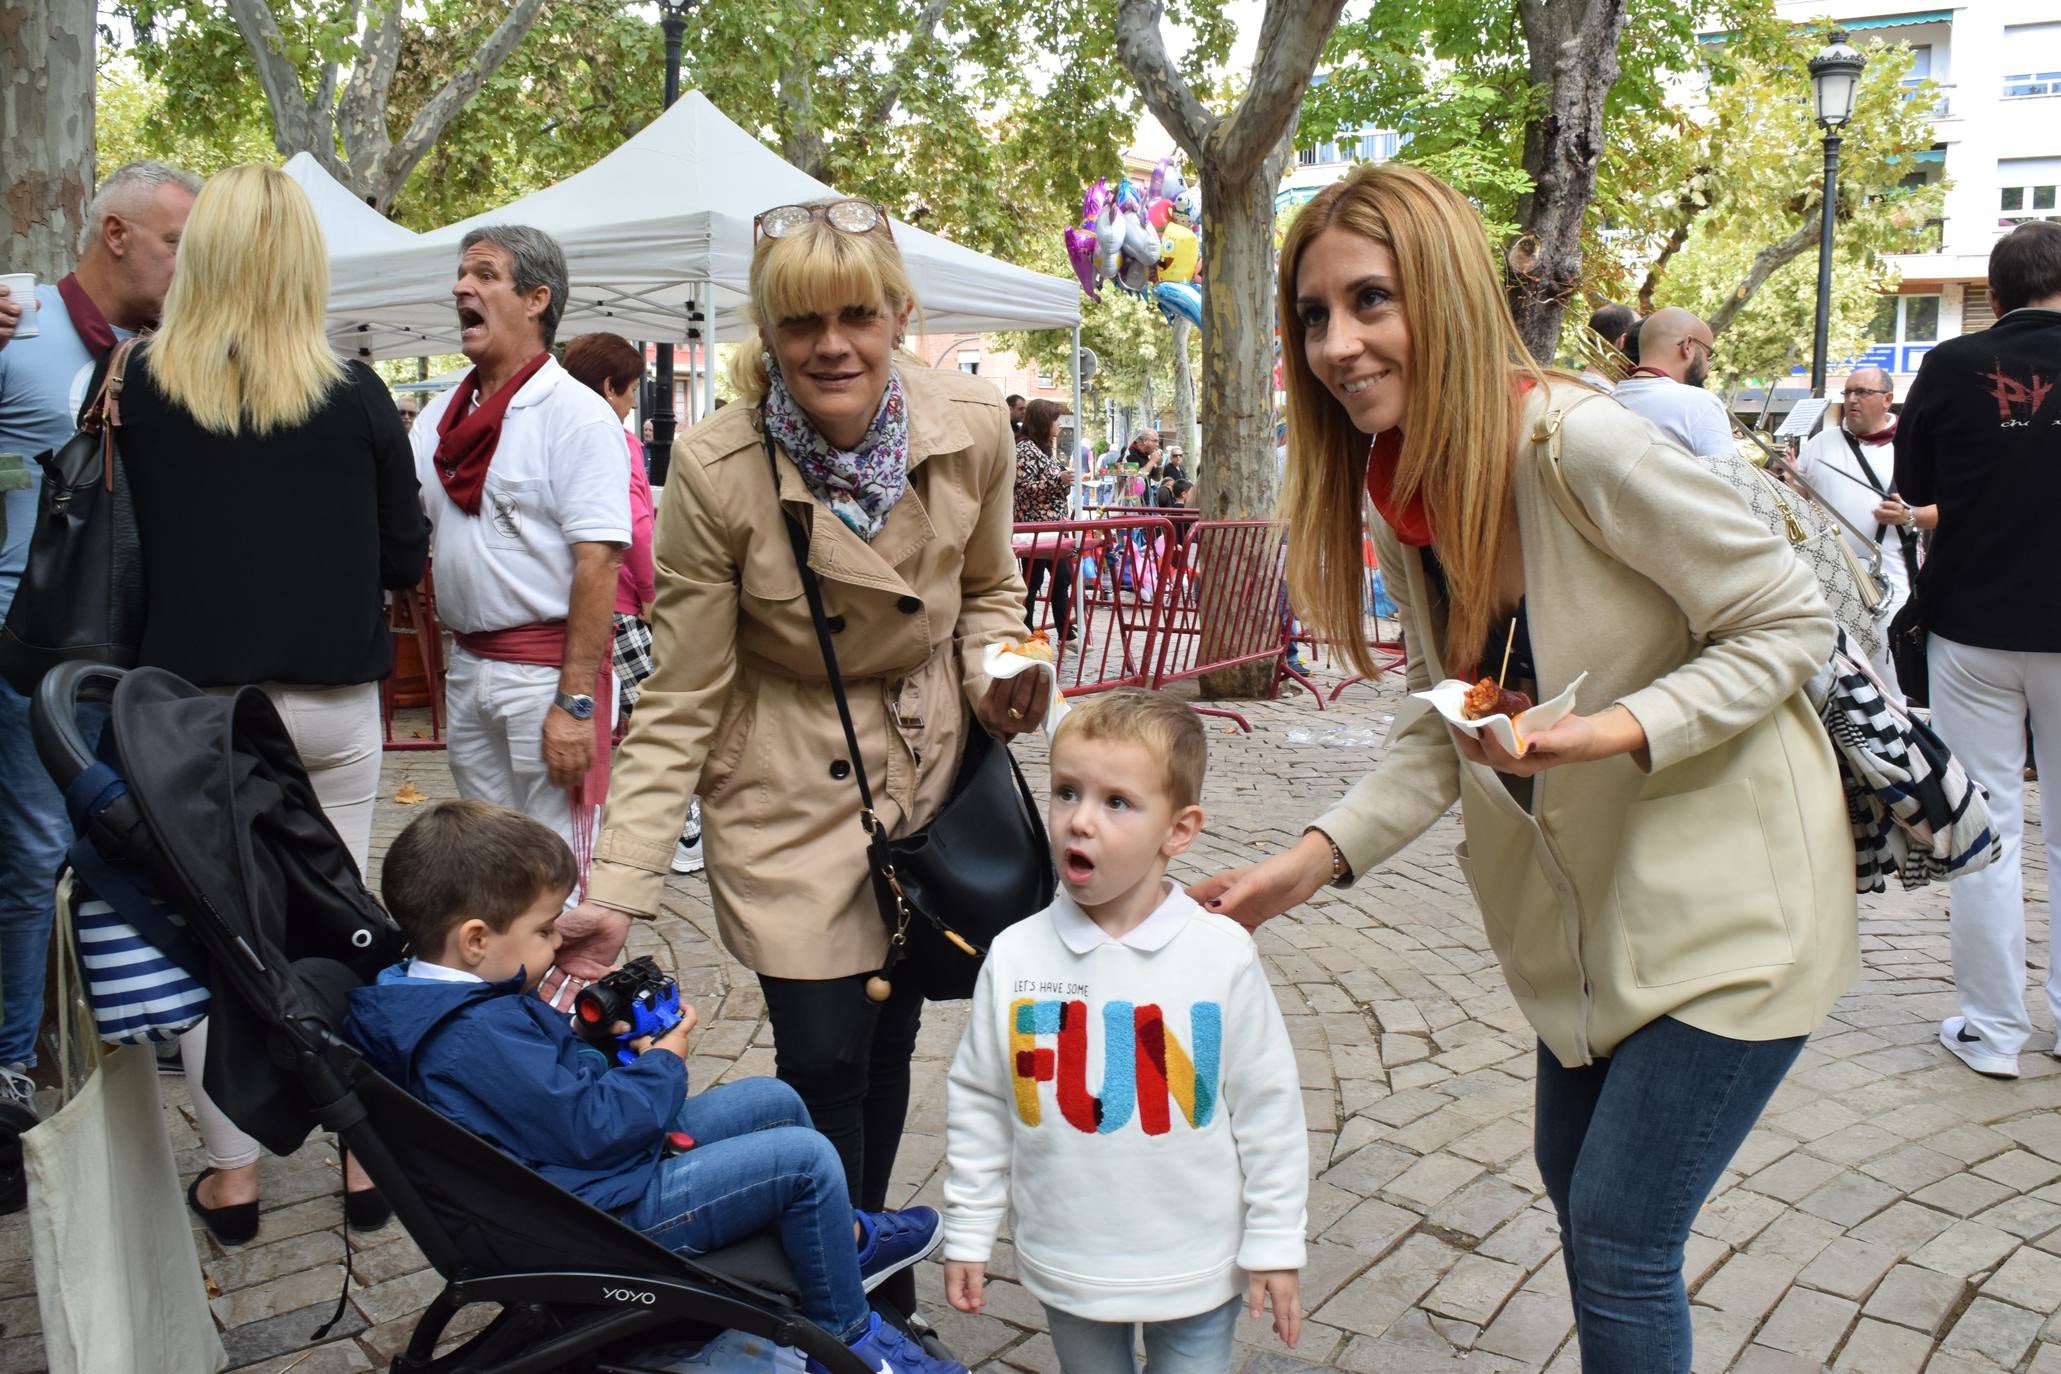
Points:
[439,973]
[1078,931]
[541,383]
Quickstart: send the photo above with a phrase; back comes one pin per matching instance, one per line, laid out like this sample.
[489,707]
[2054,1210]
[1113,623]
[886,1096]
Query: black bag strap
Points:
[798,540]
[1907,543]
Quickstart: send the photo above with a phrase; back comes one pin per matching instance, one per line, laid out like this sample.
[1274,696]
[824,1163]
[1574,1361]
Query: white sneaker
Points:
[1970,1049]
[687,853]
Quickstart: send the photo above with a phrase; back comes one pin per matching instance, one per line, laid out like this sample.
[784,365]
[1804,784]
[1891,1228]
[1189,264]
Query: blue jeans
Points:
[757,1162]
[1200,1344]
[1629,1148]
[34,834]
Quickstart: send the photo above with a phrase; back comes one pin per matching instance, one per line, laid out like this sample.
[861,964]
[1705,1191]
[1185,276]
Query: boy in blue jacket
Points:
[477,889]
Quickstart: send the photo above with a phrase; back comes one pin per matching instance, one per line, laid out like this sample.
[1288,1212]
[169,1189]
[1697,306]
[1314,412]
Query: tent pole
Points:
[1079,420]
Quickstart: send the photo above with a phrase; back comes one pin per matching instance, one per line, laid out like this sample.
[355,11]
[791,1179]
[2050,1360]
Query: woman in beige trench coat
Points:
[1666,876]
[903,479]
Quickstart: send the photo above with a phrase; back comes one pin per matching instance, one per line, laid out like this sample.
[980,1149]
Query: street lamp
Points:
[1835,75]
[672,17]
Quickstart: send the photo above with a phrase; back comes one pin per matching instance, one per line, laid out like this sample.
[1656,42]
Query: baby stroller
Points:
[204,798]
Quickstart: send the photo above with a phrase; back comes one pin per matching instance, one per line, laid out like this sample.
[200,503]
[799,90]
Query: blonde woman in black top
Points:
[275,499]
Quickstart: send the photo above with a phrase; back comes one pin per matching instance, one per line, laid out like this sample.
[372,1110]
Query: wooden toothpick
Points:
[1508,644]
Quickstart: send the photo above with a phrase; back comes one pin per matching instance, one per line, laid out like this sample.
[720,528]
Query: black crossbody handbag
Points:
[81,591]
[980,866]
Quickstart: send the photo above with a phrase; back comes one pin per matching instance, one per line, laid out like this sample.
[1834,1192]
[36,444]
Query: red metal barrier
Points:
[1384,633]
[1096,588]
[1226,603]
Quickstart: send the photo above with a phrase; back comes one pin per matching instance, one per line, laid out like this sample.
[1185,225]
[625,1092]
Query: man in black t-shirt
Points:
[1981,437]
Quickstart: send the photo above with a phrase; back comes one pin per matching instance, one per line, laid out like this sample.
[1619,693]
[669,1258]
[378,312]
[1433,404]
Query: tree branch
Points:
[325,91]
[361,114]
[802,144]
[1687,207]
[1291,39]
[1143,53]
[444,106]
[293,118]
[891,94]
[1765,264]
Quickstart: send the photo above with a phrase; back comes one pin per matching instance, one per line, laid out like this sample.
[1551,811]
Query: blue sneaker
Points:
[895,1240]
[889,1350]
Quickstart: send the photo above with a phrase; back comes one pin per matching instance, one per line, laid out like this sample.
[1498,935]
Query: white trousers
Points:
[494,735]
[1980,701]
[336,732]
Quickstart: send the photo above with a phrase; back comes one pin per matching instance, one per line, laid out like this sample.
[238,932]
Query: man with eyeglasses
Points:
[1666,388]
[1851,466]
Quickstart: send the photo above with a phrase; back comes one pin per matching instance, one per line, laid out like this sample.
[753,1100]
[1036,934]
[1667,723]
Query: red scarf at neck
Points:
[467,438]
[1410,521]
[1643,371]
[94,330]
[1881,436]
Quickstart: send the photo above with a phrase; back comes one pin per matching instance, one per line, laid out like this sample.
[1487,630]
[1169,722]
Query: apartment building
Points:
[1997,66]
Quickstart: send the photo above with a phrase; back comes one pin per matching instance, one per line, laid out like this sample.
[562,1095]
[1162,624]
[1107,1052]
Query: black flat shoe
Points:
[365,1211]
[232,1225]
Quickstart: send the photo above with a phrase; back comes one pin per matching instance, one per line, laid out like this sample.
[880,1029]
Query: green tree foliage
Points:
[584,78]
[1453,77]
[1736,238]
[978,121]
[136,119]
[1685,198]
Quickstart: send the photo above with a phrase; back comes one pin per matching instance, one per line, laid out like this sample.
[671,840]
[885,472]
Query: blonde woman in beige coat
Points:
[903,478]
[1667,875]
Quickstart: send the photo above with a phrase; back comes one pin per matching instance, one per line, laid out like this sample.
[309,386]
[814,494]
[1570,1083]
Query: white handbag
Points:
[118,1281]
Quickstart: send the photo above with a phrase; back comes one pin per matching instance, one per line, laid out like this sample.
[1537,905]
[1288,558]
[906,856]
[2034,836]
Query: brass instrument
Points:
[1596,353]
[1600,356]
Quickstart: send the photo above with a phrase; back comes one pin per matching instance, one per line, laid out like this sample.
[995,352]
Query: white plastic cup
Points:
[23,287]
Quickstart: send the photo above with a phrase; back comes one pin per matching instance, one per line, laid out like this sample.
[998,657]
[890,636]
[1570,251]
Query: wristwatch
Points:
[577,705]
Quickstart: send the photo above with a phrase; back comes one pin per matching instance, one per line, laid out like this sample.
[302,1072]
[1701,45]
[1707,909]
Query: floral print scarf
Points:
[860,485]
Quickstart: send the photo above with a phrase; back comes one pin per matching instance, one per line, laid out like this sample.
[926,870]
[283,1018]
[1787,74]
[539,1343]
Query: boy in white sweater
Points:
[1179,1186]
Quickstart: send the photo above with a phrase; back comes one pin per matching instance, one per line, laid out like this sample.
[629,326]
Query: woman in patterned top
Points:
[1042,481]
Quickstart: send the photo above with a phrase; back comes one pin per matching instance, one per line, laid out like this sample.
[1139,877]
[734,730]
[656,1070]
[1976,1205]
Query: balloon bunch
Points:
[1148,242]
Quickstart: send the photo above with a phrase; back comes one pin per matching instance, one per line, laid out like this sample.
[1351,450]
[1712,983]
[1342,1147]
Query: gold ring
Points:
[1015,714]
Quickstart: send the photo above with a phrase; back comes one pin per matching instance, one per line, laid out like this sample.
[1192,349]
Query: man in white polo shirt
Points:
[1666,388]
[526,481]
[1852,466]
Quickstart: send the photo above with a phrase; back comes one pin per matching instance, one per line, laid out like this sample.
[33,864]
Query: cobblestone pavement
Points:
[1893,1212]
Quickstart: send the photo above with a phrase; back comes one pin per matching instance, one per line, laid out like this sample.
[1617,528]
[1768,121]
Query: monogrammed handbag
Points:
[1850,589]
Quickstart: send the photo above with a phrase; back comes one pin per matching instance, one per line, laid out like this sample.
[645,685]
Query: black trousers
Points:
[1034,572]
[848,1057]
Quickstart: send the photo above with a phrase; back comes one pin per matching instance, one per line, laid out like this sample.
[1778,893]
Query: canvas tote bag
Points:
[118,1280]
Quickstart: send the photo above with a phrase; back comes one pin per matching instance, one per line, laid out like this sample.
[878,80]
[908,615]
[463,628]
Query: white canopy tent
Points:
[349,225]
[658,239]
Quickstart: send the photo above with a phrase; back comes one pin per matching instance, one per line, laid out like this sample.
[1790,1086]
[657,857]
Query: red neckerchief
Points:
[94,330]
[1643,371]
[466,440]
[1411,522]
[1880,436]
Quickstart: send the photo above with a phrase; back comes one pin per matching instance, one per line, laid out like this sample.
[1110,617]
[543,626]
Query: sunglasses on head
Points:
[848,216]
